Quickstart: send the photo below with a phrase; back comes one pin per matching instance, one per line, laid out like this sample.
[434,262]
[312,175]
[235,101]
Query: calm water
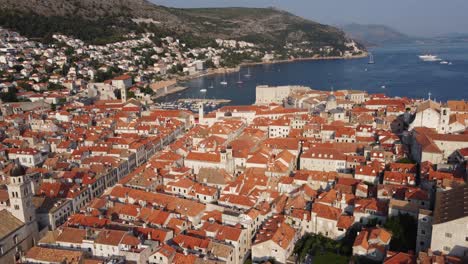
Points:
[398,68]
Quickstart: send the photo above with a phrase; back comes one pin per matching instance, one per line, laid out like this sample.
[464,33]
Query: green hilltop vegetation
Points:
[106,21]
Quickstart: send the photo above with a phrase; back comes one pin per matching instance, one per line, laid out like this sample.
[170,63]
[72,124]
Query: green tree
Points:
[65,69]
[54,87]
[24,85]
[330,258]
[9,96]
[147,90]
[209,64]
[69,51]
[317,245]
[407,161]
[130,94]
[18,68]
[404,231]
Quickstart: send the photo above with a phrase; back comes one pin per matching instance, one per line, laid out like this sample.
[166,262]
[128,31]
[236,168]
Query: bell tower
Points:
[123,94]
[20,193]
[201,113]
[444,119]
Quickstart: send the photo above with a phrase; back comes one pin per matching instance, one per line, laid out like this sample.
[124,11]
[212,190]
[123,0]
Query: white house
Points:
[322,159]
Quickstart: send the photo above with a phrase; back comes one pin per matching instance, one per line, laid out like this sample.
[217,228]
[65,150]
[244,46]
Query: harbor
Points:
[192,104]
[204,101]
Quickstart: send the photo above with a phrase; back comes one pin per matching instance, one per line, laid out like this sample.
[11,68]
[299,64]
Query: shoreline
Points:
[219,71]
[172,91]
[365,55]
[209,72]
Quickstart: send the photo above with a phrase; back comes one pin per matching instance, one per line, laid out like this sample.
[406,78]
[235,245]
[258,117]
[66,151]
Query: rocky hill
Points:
[102,21]
[371,35]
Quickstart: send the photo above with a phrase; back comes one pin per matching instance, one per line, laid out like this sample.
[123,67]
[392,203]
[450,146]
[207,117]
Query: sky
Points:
[424,18]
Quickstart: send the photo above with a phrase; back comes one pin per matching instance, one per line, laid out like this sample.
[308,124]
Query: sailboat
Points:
[224,82]
[248,73]
[211,86]
[240,81]
[371,58]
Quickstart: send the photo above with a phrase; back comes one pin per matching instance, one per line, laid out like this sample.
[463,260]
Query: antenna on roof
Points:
[429,95]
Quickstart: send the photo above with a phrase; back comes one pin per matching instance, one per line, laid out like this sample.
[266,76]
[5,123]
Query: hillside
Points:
[374,34]
[103,21]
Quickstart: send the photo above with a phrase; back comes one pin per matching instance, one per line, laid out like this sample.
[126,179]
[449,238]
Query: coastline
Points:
[218,71]
[169,92]
[365,55]
[209,72]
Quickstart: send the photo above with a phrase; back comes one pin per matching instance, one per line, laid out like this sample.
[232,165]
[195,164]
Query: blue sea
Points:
[397,71]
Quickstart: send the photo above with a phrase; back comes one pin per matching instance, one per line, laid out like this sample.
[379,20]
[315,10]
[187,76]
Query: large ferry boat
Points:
[429,57]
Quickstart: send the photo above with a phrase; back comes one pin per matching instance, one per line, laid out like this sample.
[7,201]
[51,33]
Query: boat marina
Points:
[192,104]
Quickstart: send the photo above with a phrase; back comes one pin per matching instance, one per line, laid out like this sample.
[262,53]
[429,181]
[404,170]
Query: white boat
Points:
[224,82]
[248,73]
[371,58]
[211,86]
[202,90]
[240,81]
[383,86]
[429,57]
[444,63]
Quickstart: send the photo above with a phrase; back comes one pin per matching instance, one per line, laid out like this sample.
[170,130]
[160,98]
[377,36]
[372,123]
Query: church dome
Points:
[331,98]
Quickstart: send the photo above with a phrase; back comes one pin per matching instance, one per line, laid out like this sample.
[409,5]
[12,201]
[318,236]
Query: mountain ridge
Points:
[269,27]
[374,34]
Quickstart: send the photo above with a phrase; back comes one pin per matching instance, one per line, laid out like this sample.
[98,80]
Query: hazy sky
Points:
[414,17]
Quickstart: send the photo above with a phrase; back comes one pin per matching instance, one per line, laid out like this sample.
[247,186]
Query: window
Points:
[447,249]
[448,235]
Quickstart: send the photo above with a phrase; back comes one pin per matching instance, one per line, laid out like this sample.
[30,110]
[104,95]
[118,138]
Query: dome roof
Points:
[17,170]
[331,98]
